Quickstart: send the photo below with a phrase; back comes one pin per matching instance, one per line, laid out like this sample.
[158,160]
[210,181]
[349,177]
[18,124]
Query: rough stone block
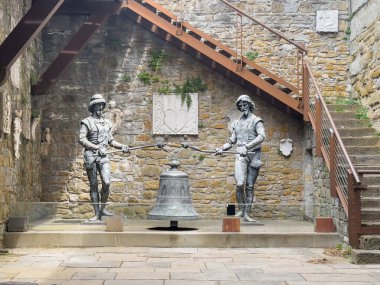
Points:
[231,224]
[17,224]
[115,224]
[324,225]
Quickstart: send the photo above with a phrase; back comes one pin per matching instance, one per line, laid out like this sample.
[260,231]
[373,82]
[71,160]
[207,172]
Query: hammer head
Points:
[161,144]
[185,145]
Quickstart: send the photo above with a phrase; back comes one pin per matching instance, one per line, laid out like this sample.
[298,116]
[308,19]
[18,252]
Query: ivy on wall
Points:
[191,85]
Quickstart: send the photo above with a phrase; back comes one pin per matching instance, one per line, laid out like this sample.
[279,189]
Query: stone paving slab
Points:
[184,266]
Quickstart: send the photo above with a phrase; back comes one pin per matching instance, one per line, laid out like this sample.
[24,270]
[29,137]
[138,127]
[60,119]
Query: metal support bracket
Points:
[25,32]
[99,12]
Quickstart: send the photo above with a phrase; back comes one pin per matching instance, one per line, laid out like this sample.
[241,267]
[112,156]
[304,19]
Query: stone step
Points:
[352,123]
[343,115]
[371,179]
[362,256]
[371,223]
[361,141]
[370,242]
[356,132]
[372,191]
[343,107]
[363,150]
[370,214]
[370,202]
[365,159]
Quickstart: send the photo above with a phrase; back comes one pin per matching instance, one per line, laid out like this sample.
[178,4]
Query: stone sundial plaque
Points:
[172,117]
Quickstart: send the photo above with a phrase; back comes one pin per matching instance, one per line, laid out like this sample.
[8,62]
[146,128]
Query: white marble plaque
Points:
[5,113]
[171,117]
[327,21]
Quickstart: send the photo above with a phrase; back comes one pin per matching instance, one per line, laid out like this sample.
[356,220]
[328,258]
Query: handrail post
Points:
[305,92]
[333,165]
[354,211]
[318,127]
[239,42]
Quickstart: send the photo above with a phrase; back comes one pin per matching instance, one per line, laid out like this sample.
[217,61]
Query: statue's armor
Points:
[99,131]
[244,131]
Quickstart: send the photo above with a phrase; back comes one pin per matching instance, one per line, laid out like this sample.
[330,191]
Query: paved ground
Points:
[185,266]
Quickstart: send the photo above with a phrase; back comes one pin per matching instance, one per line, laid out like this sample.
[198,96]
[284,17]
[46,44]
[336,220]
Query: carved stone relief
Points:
[286,146]
[15,74]
[35,122]
[171,117]
[115,115]
[17,129]
[27,112]
[5,113]
[46,137]
[327,21]
[45,141]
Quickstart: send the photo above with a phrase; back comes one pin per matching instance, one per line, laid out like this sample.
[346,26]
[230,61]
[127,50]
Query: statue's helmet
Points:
[245,98]
[96,99]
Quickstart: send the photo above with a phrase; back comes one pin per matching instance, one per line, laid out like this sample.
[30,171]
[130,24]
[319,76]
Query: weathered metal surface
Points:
[99,10]
[174,199]
[25,32]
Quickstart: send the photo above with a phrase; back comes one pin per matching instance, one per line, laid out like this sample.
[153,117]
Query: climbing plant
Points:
[191,85]
[157,57]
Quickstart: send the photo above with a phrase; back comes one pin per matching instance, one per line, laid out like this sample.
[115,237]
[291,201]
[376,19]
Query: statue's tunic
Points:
[249,132]
[95,132]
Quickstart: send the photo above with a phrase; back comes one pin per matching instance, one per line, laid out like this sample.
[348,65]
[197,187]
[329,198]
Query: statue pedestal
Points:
[115,224]
[231,224]
[324,225]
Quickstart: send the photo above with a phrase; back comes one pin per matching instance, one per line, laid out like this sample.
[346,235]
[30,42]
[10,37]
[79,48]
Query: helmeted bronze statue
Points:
[95,136]
[247,133]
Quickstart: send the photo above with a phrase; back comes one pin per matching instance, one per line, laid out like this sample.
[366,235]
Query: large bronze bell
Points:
[173,199]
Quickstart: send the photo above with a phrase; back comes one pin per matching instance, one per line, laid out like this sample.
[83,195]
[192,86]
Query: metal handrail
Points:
[335,130]
[299,46]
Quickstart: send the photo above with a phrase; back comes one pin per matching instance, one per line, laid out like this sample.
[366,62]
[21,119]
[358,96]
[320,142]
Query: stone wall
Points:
[110,64]
[365,52]
[19,176]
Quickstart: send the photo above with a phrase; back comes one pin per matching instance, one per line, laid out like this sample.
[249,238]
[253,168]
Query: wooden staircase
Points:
[213,53]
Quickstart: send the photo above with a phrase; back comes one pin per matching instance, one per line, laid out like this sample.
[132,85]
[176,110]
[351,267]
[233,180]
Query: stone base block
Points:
[17,224]
[324,225]
[231,224]
[115,224]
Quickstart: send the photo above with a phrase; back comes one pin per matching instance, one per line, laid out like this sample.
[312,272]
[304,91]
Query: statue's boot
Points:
[103,200]
[248,205]
[241,200]
[95,204]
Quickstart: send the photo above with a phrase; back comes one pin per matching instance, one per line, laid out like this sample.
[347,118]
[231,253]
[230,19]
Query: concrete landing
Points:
[149,233]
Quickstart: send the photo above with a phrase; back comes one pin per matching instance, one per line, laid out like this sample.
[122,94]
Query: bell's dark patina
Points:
[174,199]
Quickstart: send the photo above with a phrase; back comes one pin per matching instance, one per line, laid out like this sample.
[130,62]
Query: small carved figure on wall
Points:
[17,129]
[115,115]
[95,136]
[46,137]
[35,122]
[247,133]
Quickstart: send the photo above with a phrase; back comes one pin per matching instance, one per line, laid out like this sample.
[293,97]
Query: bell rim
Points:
[174,218]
